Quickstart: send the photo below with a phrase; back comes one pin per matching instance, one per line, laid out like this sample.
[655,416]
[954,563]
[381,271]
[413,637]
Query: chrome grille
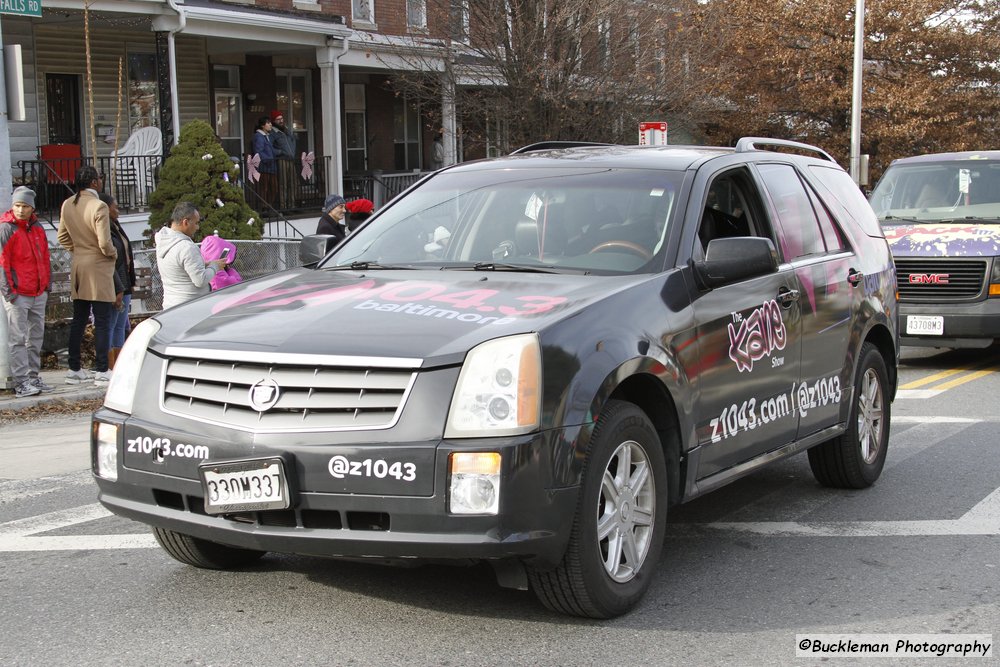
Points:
[311,396]
[966,278]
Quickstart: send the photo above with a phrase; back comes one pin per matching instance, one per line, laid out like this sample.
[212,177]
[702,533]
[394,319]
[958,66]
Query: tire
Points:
[202,553]
[855,459]
[612,554]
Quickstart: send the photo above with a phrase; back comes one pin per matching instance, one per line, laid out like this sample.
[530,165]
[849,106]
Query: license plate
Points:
[251,485]
[925,325]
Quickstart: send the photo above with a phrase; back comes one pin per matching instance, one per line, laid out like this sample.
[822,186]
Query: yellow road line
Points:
[964,379]
[934,377]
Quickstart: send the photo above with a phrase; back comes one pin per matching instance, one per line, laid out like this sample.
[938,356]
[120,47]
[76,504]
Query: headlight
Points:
[995,277]
[498,390]
[106,450]
[121,389]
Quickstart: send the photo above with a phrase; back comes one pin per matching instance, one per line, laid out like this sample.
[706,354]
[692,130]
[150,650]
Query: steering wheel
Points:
[634,248]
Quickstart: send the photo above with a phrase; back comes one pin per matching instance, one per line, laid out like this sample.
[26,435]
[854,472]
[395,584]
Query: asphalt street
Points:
[745,569]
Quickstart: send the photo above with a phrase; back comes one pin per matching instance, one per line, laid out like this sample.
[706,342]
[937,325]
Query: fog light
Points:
[475,483]
[106,451]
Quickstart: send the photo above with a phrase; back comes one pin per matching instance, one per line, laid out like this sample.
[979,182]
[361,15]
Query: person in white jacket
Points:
[184,273]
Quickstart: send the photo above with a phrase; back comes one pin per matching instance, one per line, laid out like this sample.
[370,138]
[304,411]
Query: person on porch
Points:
[267,186]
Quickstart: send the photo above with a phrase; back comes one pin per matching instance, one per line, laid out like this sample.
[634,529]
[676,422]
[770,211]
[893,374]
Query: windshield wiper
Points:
[968,218]
[364,266]
[499,266]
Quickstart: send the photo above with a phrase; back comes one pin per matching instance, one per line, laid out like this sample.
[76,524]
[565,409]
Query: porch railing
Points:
[135,178]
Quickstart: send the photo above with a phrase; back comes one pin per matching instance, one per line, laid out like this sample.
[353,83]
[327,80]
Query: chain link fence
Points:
[253,260]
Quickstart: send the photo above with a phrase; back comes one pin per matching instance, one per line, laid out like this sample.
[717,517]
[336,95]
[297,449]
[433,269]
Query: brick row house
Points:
[329,66]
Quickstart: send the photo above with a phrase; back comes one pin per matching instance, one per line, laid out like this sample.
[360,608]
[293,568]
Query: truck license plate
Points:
[925,325]
[251,485]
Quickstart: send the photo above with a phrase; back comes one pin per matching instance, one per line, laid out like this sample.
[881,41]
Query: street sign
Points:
[21,7]
[653,134]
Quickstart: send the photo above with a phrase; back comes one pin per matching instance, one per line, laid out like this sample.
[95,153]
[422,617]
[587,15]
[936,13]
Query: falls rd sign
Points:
[21,7]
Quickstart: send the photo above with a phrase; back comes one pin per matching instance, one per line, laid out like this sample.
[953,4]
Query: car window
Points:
[845,199]
[729,209]
[939,190]
[599,220]
[799,234]
[833,238]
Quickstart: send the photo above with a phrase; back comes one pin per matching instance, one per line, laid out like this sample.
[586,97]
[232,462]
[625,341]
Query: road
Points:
[744,570]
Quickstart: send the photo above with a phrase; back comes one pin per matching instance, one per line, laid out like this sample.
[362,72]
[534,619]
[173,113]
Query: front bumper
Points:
[974,324]
[533,522]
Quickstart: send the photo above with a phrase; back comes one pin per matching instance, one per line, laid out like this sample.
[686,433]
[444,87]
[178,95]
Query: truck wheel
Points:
[202,553]
[617,534]
[855,459]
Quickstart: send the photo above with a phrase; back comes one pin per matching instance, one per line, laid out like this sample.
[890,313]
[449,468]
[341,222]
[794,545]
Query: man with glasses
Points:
[184,273]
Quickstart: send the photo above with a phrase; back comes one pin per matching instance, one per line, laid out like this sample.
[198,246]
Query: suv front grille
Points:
[309,396]
[921,279]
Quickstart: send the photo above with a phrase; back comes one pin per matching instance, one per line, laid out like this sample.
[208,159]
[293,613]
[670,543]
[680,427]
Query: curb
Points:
[43,399]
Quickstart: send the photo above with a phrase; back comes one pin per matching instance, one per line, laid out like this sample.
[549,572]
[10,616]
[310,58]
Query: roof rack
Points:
[747,144]
[551,145]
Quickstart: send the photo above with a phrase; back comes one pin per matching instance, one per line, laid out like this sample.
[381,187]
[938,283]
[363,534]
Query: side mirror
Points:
[315,247]
[731,259]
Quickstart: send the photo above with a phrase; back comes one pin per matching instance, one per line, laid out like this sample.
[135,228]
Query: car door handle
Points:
[855,277]
[786,297]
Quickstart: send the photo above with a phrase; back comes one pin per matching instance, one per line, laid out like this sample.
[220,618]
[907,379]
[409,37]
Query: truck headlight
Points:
[474,482]
[498,390]
[105,438]
[994,288]
[121,388]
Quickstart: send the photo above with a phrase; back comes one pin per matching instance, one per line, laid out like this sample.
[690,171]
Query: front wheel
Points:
[855,459]
[203,553]
[618,529]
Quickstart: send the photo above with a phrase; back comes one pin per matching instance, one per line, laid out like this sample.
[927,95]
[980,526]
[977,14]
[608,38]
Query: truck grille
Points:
[921,279]
[296,394]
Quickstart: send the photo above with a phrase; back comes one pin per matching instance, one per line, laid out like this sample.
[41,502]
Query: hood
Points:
[937,239]
[167,238]
[435,316]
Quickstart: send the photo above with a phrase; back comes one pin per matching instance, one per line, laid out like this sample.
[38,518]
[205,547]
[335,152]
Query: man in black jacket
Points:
[332,221]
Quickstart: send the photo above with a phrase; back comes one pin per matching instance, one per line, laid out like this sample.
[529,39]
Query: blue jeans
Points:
[102,332]
[119,322]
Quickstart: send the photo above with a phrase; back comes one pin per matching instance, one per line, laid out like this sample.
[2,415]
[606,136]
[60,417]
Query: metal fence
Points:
[253,260]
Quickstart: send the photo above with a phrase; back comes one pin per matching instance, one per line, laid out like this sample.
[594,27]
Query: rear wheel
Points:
[855,459]
[617,533]
[202,553]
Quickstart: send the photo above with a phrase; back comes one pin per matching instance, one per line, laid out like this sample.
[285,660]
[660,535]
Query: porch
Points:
[131,181]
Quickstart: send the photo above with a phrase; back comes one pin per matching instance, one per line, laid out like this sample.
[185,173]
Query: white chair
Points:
[135,164]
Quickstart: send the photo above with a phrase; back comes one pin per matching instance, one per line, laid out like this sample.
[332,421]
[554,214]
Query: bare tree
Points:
[784,69]
[558,69]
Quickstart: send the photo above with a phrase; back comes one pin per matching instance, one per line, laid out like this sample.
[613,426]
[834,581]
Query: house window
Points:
[460,21]
[293,98]
[143,98]
[416,13]
[363,11]
[355,129]
[406,135]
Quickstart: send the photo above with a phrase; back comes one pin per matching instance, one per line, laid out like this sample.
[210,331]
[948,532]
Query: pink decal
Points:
[758,335]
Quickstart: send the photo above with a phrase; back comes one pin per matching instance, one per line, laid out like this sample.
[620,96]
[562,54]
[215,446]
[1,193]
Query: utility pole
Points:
[859,48]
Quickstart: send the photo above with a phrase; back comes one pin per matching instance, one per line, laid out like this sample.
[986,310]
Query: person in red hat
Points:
[283,140]
[358,210]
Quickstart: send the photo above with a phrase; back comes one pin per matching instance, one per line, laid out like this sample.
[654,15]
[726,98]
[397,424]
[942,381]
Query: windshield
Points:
[929,192]
[608,221]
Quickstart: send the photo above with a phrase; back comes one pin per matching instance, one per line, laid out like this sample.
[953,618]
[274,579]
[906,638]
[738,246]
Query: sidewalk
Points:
[62,392]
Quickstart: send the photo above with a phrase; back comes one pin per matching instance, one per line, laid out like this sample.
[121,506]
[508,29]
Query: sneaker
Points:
[42,386]
[102,377]
[26,389]
[77,377]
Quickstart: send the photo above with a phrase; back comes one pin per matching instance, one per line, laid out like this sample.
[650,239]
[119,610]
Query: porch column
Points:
[448,116]
[328,59]
[164,90]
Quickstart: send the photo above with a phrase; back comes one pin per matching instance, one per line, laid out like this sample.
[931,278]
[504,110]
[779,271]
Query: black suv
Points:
[524,360]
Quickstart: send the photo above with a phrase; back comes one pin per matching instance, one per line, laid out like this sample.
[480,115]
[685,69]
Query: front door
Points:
[229,122]
[62,94]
